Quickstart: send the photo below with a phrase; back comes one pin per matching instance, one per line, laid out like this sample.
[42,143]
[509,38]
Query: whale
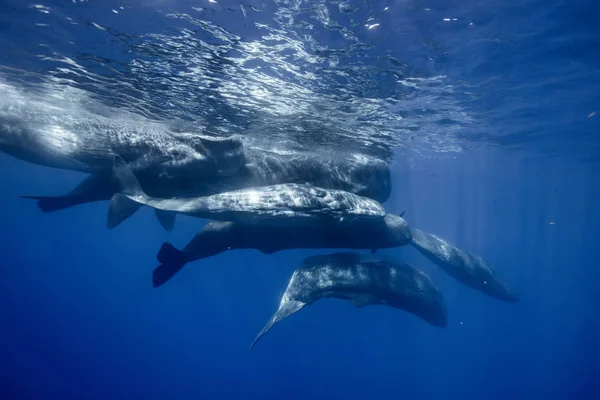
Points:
[219,236]
[55,130]
[283,204]
[363,280]
[469,269]
[358,174]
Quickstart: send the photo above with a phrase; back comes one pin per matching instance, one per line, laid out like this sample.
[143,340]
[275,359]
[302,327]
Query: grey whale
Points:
[364,280]
[284,204]
[68,130]
[219,236]
[363,176]
[467,268]
[89,145]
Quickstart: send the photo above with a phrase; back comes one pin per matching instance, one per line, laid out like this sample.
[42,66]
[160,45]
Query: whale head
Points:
[225,153]
[398,230]
[374,179]
[414,291]
[433,309]
[500,290]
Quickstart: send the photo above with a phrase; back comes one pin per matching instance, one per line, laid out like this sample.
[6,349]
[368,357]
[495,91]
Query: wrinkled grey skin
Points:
[465,267]
[63,128]
[89,145]
[367,177]
[287,205]
[363,280]
[218,236]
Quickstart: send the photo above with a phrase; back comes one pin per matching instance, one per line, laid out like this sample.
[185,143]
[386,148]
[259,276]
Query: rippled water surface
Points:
[372,75]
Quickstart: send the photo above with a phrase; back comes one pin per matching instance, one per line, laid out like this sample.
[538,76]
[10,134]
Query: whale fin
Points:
[128,183]
[95,187]
[166,219]
[51,203]
[402,213]
[284,311]
[121,207]
[171,261]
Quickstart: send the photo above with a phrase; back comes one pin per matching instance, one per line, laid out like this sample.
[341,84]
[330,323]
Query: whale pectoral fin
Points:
[121,207]
[284,311]
[126,179]
[266,251]
[166,219]
[171,261]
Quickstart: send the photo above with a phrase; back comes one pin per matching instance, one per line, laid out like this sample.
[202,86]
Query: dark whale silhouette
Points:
[363,176]
[362,279]
[465,267]
[219,236]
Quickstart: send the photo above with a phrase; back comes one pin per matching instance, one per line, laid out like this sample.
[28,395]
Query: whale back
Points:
[367,279]
[465,267]
[365,176]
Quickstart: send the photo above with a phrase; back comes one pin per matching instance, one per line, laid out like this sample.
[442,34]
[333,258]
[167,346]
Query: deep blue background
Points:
[79,318]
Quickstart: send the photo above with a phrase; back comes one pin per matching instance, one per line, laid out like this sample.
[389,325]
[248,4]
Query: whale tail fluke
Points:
[52,203]
[121,207]
[166,219]
[171,261]
[96,187]
[284,311]
[128,183]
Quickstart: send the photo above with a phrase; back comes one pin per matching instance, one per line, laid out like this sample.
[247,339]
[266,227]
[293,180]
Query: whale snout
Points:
[511,296]
[427,302]
[399,230]
[439,317]
[501,291]
[436,313]
[375,179]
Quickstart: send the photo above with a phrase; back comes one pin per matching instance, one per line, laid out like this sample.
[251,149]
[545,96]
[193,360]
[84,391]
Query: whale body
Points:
[219,236]
[363,176]
[285,204]
[363,280]
[465,267]
[51,130]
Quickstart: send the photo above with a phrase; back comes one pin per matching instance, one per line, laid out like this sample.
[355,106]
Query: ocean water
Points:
[488,113]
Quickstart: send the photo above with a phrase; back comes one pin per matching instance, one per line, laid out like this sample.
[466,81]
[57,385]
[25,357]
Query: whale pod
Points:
[285,204]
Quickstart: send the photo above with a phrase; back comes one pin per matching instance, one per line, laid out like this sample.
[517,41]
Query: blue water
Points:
[490,120]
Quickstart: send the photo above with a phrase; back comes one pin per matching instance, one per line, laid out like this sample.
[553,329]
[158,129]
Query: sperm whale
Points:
[360,175]
[364,280]
[219,236]
[465,267]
